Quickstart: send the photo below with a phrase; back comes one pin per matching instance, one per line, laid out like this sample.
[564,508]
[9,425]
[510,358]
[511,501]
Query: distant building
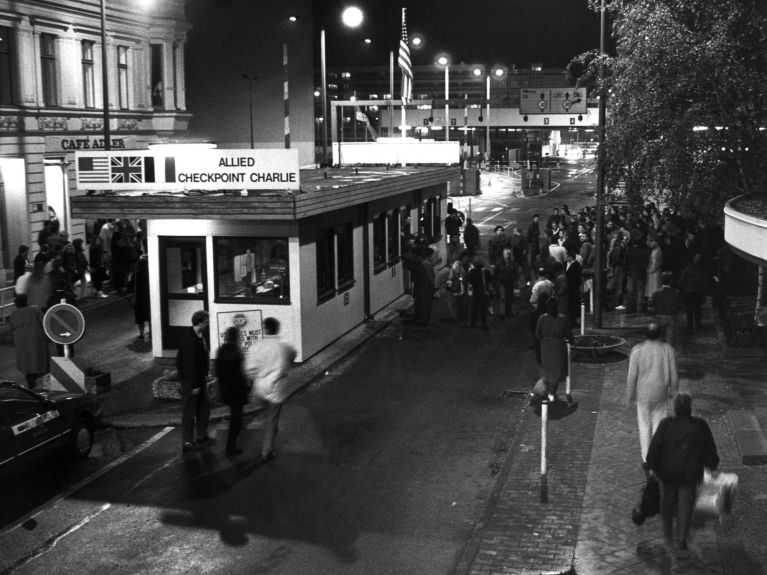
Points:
[51,99]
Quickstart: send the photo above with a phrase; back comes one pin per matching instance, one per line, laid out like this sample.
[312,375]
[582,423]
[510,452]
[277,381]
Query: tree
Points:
[687,99]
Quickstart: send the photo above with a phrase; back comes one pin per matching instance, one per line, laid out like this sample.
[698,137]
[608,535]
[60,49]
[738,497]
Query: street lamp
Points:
[351,17]
[498,72]
[105,78]
[599,231]
[251,78]
[444,61]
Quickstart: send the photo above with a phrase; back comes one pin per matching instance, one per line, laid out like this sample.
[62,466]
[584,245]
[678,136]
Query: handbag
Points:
[715,495]
[649,504]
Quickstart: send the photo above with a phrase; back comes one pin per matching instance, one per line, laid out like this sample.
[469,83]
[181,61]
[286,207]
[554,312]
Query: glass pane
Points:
[252,268]
[184,271]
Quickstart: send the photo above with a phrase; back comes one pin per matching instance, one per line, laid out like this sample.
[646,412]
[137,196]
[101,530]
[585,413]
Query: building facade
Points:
[52,60]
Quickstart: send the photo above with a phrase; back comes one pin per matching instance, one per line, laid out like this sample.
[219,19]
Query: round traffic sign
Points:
[64,323]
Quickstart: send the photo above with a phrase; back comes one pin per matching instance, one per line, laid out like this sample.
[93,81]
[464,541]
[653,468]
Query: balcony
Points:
[745,227]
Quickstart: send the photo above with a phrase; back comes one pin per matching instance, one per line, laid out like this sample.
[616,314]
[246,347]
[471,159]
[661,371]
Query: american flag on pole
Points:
[403,61]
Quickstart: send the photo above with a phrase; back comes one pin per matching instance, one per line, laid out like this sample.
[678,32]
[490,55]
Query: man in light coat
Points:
[267,365]
[652,379]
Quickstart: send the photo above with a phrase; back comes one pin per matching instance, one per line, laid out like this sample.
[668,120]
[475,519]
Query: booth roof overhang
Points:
[322,191]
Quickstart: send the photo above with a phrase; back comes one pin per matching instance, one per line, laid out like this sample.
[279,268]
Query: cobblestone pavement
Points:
[594,475]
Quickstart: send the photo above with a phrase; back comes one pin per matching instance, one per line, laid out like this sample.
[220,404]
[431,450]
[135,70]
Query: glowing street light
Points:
[444,61]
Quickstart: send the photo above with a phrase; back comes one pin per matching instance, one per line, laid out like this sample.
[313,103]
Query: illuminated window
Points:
[252,269]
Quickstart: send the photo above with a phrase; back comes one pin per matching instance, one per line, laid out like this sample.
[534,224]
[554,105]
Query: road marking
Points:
[497,209]
[79,485]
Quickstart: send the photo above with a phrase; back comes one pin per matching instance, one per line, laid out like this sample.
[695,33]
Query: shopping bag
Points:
[715,495]
[649,504]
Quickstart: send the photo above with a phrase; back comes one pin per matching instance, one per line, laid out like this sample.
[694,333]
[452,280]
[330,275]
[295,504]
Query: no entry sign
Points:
[64,324]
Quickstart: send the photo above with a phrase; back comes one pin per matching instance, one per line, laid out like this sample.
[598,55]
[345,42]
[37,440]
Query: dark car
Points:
[33,424]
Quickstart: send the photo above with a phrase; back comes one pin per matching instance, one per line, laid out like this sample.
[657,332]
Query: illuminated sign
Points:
[154,170]
[552,101]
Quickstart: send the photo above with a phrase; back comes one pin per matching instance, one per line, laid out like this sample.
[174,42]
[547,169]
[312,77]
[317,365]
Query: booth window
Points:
[326,265]
[392,235]
[345,257]
[379,243]
[253,269]
[48,66]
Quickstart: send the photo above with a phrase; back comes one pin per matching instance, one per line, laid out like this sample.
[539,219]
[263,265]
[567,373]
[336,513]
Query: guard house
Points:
[246,235]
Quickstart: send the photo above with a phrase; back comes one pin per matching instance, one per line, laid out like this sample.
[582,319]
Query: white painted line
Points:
[79,485]
[497,209]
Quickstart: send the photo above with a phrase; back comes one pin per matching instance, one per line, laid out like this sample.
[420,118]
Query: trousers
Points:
[676,500]
[649,416]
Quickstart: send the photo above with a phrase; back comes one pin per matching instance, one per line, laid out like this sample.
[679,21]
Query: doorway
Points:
[183,285]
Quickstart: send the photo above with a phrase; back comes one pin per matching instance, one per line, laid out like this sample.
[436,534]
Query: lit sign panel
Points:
[552,101]
[153,170]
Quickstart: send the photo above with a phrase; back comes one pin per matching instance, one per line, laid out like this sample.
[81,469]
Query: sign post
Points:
[64,324]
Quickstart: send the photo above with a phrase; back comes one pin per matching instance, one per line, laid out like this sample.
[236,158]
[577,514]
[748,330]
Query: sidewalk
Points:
[594,476]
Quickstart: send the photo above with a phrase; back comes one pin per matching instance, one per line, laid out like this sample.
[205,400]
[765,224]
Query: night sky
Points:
[472,31]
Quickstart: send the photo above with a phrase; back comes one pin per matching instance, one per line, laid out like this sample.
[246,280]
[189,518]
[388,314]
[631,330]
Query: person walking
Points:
[192,362]
[232,384]
[533,243]
[268,365]
[681,447]
[97,259]
[142,309]
[665,303]
[553,332]
[20,262]
[654,268]
[652,379]
[29,340]
[507,272]
[479,283]
[637,265]
[574,289]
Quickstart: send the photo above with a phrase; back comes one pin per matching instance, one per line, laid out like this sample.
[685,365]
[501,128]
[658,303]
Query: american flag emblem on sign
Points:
[127,169]
[93,170]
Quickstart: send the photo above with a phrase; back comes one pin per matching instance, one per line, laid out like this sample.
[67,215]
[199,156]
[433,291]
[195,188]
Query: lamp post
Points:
[497,72]
[105,78]
[251,78]
[599,231]
[351,17]
[445,61]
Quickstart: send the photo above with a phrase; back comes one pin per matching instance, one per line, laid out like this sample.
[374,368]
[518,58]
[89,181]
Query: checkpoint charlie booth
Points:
[246,235]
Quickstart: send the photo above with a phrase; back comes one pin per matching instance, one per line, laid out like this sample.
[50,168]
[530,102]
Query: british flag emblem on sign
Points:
[127,169]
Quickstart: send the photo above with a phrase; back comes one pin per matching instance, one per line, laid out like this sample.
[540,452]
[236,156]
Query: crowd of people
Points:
[62,270]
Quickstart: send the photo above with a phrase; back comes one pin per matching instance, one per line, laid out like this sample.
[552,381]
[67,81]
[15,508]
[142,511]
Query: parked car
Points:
[34,424]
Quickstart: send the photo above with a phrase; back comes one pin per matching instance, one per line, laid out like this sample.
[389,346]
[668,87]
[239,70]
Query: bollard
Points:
[544,421]
[583,317]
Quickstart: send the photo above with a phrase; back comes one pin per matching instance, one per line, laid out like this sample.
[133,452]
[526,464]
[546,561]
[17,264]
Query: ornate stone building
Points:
[52,60]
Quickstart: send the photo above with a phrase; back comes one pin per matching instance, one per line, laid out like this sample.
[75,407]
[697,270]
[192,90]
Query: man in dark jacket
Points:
[470,237]
[680,448]
[694,283]
[232,384]
[192,362]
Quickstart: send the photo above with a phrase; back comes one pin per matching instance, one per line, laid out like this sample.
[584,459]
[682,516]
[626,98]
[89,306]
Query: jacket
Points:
[192,360]
[680,448]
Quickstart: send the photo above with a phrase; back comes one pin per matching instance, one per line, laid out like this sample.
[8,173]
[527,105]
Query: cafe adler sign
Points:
[200,169]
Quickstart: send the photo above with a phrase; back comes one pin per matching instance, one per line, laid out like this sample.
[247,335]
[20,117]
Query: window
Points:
[157,84]
[379,243]
[392,235]
[430,219]
[48,65]
[89,86]
[326,265]
[345,256]
[254,269]
[122,76]
[6,67]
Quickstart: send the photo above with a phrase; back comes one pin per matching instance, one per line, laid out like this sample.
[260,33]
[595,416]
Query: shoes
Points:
[233,450]
[207,440]
[620,307]
[268,456]
[101,294]
[187,447]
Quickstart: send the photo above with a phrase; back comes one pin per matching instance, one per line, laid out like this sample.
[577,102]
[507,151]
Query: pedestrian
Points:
[533,242]
[506,271]
[637,264]
[81,267]
[479,285]
[192,362]
[654,267]
[553,332]
[543,285]
[574,289]
[20,262]
[232,384]
[681,447]
[97,257]
[470,237]
[453,225]
[652,379]
[39,284]
[268,368]
[665,303]
[423,286]
[496,245]
[616,259]
[693,284]
[30,341]
[142,309]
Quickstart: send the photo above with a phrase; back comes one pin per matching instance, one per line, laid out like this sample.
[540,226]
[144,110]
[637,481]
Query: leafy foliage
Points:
[683,65]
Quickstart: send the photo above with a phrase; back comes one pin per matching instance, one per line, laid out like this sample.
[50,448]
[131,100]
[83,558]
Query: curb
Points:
[300,377]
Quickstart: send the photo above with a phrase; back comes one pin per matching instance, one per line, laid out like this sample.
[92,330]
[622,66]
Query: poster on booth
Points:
[249,324]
